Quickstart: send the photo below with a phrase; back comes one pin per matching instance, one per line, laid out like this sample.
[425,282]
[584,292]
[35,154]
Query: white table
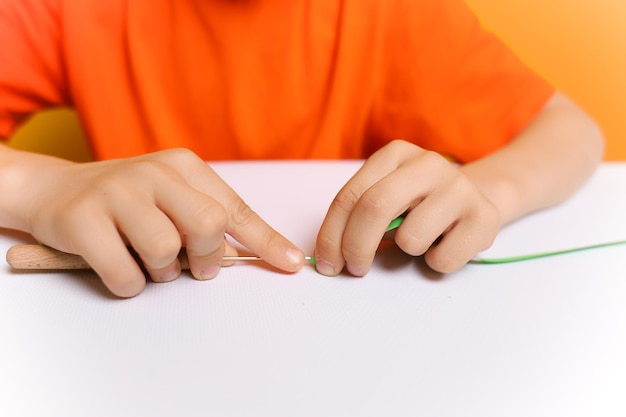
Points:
[540,338]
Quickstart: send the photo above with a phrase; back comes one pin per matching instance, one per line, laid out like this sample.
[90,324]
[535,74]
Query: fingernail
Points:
[170,275]
[210,272]
[324,267]
[356,271]
[294,256]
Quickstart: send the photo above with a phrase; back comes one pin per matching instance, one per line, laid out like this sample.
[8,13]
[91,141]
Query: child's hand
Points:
[448,219]
[156,203]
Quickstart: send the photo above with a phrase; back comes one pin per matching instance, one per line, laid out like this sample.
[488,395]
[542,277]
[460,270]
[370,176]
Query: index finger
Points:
[330,245]
[243,223]
[248,228]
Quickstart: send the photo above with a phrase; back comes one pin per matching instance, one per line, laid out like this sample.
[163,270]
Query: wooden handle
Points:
[39,257]
[43,257]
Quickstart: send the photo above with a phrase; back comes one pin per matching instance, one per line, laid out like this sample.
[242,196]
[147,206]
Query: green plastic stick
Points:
[395,223]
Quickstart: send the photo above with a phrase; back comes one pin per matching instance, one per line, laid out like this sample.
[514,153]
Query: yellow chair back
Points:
[55,132]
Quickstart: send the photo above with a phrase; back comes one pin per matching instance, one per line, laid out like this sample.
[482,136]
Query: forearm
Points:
[544,165]
[21,174]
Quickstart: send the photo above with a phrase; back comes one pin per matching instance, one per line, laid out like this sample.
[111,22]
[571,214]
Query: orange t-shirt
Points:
[271,79]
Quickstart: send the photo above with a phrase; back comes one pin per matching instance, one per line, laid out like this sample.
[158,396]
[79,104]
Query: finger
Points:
[423,180]
[430,217]
[368,224]
[243,223]
[229,250]
[364,207]
[391,196]
[463,241]
[424,225]
[201,220]
[151,234]
[110,258]
[253,232]
[182,210]
[117,269]
[451,224]
[329,244]
[165,208]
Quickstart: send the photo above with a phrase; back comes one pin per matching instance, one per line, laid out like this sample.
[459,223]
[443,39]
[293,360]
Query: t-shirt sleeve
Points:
[449,85]
[31,70]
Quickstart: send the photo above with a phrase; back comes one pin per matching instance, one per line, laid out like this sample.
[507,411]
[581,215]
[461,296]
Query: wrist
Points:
[23,179]
[504,193]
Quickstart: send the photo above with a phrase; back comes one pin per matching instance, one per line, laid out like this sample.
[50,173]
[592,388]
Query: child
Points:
[162,86]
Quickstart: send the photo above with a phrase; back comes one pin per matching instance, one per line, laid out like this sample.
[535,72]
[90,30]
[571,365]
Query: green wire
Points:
[493,261]
[395,223]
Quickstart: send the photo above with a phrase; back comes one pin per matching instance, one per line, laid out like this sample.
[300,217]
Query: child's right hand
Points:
[155,203]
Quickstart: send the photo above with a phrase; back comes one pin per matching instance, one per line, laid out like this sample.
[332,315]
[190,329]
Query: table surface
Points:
[542,338]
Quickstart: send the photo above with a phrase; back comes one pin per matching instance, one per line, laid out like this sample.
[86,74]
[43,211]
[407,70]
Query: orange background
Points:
[578,45]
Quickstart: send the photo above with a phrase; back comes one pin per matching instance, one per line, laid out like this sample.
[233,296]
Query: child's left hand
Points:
[447,219]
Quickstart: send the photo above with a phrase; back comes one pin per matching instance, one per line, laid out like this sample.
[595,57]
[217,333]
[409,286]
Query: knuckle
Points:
[124,182]
[74,217]
[395,147]
[108,185]
[345,200]
[181,155]
[137,168]
[464,188]
[148,171]
[213,255]
[326,243]
[210,219]
[454,252]
[401,150]
[488,230]
[443,261]
[354,255]
[433,160]
[374,204]
[398,143]
[242,215]
[410,243]
[161,249]
[74,208]
[400,146]
[485,224]
[74,213]
[270,240]
[183,160]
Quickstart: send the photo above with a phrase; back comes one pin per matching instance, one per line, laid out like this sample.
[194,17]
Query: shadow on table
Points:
[392,258]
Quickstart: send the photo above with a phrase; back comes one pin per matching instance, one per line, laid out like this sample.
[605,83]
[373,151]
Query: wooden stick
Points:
[40,257]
